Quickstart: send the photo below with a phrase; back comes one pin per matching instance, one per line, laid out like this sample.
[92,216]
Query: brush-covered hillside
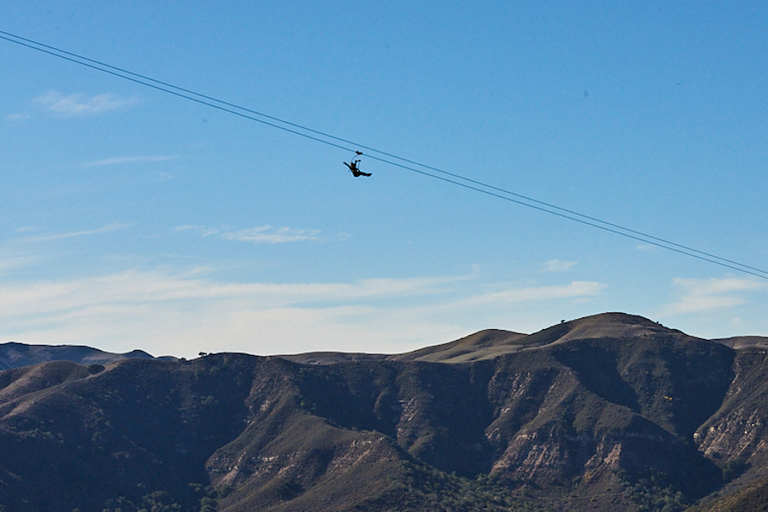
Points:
[611,412]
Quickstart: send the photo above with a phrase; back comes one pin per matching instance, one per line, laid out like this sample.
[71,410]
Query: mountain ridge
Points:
[14,354]
[490,343]
[484,344]
[607,413]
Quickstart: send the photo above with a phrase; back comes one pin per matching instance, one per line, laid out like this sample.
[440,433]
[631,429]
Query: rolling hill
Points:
[16,355]
[610,412]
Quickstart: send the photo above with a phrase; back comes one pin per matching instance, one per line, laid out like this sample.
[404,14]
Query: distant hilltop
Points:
[17,355]
[485,344]
[491,343]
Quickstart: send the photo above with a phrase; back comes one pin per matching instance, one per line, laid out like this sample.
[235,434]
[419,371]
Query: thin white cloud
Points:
[183,314]
[170,310]
[269,235]
[258,235]
[202,230]
[157,287]
[697,295]
[17,117]
[14,260]
[78,105]
[75,234]
[574,290]
[130,160]
[558,265]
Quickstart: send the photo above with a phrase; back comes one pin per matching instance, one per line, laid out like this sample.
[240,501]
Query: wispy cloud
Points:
[78,105]
[258,235]
[201,230]
[158,287]
[27,229]
[557,265]
[129,160]
[269,235]
[575,289]
[168,311]
[74,234]
[11,260]
[184,313]
[697,295]
[17,117]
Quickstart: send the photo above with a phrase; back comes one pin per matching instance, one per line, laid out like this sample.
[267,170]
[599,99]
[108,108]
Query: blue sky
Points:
[130,218]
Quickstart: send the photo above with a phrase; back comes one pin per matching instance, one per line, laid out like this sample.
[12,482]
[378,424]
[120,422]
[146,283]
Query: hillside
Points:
[491,343]
[612,412]
[17,355]
[752,497]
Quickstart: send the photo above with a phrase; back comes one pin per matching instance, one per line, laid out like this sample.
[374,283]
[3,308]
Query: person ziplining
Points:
[354,167]
[391,159]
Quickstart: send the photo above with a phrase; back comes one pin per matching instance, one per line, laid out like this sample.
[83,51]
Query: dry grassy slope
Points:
[491,343]
[742,342]
[602,423]
[480,345]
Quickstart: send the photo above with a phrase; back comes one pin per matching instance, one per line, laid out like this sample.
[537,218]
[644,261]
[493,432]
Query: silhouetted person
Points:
[356,172]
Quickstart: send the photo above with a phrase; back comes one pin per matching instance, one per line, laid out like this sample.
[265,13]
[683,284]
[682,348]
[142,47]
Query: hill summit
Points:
[491,343]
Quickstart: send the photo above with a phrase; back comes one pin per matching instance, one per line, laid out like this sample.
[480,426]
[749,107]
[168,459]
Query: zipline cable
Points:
[316,135]
[741,268]
[170,91]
